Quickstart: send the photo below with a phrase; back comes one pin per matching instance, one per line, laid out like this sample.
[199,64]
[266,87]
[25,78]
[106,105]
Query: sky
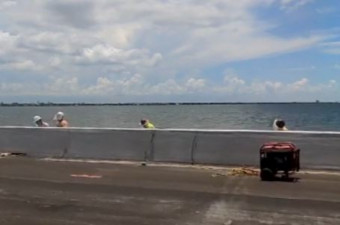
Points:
[169,50]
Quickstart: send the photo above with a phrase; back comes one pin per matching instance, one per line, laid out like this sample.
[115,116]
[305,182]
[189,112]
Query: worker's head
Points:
[37,120]
[59,116]
[143,121]
[280,124]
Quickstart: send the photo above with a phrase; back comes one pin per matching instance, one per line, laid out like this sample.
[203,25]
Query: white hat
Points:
[274,125]
[59,116]
[36,118]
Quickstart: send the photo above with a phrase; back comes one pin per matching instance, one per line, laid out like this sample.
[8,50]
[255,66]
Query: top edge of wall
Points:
[176,130]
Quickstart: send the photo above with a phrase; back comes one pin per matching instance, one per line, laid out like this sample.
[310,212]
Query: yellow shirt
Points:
[149,125]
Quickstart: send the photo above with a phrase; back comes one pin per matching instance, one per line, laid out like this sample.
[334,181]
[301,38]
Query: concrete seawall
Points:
[219,147]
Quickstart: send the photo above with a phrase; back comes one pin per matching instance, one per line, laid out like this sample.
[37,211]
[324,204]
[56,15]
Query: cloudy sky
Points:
[169,50]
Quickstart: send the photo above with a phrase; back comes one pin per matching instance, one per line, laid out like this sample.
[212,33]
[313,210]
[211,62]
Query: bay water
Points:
[298,116]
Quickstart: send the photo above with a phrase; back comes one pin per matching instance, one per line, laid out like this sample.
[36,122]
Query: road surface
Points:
[70,193]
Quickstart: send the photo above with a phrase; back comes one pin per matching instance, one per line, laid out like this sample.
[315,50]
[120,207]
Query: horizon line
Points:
[156,103]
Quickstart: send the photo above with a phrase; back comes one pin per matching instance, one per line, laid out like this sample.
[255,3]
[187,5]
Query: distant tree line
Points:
[151,103]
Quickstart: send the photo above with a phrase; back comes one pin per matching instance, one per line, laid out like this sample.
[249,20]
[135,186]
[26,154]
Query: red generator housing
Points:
[278,157]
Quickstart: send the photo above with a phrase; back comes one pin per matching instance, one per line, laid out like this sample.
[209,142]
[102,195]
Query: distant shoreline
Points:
[157,103]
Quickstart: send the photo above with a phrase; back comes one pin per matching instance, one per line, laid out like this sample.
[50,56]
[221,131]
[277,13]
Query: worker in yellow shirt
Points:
[147,124]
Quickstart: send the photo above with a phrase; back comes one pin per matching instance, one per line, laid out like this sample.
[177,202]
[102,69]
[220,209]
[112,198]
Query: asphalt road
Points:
[71,193]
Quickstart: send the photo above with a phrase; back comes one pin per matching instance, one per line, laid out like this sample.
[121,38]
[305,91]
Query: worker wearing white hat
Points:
[279,125]
[61,121]
[39,122]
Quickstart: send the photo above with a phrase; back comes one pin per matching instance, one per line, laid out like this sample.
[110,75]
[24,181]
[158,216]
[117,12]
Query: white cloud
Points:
[104,54]
[121,29]
[23,65]
[55,61]
[136,85]
[302,68]
[331,47]
[233,80]
[261,88]
[8,88]
[102,87]
[118,35]
[274,85]
[332,83]
[55,42]
[329,86]
[119,47]
[233,84]
[298,85]
[134,80]
[229,51]
[326,10]
[62,85]
[195,84]
[290,5]
[169,87]
[7,4]
[7,43]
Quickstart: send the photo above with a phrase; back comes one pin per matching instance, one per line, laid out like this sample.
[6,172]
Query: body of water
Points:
[319,116]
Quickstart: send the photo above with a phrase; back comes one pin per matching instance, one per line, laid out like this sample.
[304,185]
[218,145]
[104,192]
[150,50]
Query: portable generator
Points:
[278,157]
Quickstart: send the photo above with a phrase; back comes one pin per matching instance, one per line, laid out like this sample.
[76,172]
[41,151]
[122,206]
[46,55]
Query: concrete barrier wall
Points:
[242,148]
[172,146]
[35,142]
[219,147]
[109,144]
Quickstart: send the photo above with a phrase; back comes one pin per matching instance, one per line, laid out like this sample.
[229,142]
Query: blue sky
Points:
[156,50]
